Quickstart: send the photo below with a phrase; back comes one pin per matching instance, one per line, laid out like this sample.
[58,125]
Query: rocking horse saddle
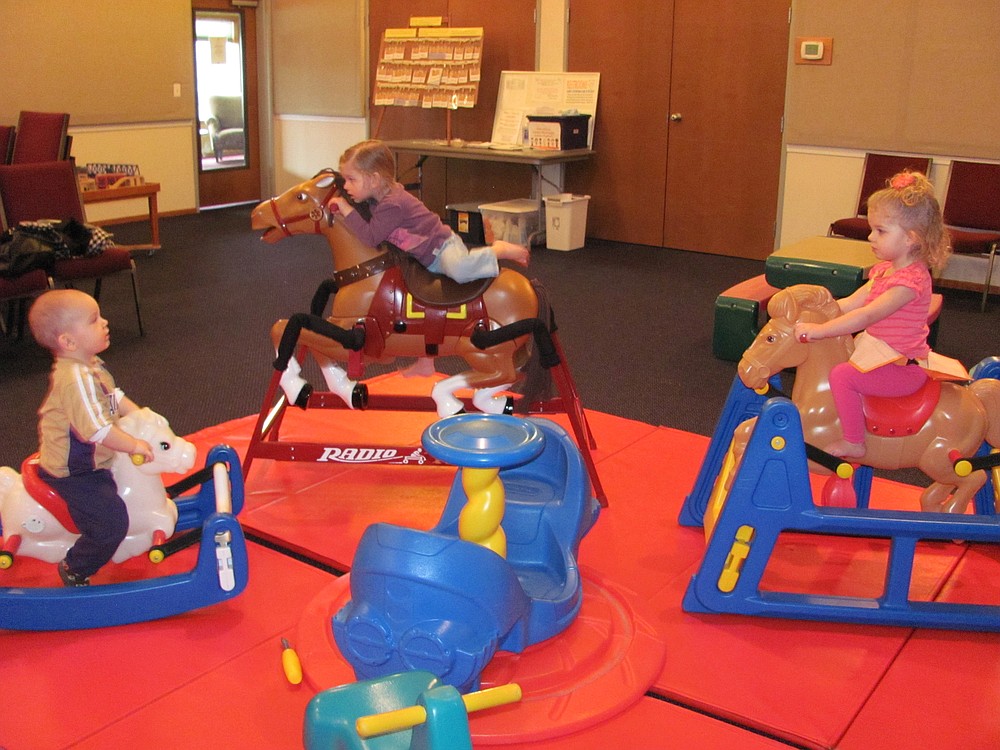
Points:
[45,495]
[901,416]
[437,289]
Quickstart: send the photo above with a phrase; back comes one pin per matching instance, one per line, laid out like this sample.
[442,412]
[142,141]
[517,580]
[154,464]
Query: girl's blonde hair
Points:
[373,157]
[909,199]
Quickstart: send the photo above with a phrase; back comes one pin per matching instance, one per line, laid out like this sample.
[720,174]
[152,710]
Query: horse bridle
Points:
[316,214]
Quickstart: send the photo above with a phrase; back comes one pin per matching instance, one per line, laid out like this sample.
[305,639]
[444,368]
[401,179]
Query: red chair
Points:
[49,190]
[15,293]
[41,136]
[972,213]
[6,143]
[879,168]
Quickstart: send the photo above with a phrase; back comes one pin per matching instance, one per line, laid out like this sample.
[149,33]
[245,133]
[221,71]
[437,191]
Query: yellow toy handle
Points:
[290,663]
[407,718]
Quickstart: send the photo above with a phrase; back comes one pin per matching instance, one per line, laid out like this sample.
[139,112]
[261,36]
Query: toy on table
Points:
[406,711]
[902,432]
[431,600]
[220,573]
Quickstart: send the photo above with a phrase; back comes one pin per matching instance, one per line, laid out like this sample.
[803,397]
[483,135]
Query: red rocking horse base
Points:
[265,442]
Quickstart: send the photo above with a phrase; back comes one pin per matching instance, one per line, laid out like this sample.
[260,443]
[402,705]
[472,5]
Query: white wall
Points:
[165,153]
[304,145]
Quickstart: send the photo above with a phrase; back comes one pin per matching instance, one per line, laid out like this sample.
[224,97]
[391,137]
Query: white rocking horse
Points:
[29,527]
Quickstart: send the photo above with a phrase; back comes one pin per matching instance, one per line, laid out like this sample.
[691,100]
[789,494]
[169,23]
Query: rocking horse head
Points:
[304,209]
[299,210]
[775,348]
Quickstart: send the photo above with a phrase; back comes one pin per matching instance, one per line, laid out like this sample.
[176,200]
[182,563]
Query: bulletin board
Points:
[524,93]
[431,67]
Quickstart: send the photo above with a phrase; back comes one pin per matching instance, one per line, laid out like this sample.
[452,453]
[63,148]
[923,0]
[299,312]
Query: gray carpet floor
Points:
[635,322]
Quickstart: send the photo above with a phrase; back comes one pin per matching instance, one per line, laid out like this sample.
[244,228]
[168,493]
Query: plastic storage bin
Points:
[514,221]
[467,221]
[566,221]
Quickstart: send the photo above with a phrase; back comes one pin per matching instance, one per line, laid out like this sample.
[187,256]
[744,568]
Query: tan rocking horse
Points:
[396,318]
[914,431]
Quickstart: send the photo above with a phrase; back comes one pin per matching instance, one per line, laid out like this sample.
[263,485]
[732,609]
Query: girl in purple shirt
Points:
[369,172]
[909,238]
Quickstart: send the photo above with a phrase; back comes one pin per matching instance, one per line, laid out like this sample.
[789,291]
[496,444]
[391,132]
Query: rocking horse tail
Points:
[537,382]
[987,390]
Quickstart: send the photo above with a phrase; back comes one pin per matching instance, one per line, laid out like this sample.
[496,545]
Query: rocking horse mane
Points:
[790,303]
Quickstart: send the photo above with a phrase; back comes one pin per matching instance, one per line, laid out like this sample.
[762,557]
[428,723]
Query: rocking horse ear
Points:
[326,181]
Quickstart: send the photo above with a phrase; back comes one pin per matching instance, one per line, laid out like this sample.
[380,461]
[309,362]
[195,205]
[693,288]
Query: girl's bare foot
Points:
[509,251]
[846,449]
[422,368]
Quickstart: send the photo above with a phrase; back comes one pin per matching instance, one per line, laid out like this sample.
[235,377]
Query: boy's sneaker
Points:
[69,578]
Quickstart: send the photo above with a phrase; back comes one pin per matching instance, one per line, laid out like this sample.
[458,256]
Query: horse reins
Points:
[317,214]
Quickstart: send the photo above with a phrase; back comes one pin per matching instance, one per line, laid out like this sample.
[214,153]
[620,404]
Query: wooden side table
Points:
[147,190]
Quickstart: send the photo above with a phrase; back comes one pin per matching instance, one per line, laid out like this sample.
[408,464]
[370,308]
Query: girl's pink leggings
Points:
[848,384]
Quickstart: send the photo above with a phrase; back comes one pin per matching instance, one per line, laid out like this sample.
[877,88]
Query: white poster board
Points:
[524,93]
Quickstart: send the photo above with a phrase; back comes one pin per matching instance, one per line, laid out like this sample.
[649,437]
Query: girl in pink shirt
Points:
[909,238]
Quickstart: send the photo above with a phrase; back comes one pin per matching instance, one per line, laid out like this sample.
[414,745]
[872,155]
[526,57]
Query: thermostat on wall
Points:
[811,50]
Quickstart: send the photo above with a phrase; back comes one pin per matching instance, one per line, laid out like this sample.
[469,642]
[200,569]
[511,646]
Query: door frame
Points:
[248,183]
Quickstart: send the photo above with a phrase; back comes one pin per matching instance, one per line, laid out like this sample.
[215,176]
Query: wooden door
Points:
[727,93]
[630,48]
[228,182]
[708,182]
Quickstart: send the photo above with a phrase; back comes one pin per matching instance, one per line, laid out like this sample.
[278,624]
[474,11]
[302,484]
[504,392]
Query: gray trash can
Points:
[566,221]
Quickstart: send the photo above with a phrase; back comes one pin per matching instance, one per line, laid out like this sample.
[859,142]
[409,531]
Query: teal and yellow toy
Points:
[407,711]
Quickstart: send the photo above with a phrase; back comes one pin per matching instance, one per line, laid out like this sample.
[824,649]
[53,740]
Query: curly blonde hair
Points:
[909,199]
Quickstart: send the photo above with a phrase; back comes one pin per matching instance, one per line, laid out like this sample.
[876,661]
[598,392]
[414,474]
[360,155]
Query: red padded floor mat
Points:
[214,677]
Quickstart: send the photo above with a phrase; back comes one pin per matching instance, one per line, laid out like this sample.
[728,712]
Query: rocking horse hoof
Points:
[302,400]
[359,396]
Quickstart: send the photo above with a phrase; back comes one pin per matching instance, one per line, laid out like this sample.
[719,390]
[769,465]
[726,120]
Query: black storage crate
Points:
[467,221]
[558,132]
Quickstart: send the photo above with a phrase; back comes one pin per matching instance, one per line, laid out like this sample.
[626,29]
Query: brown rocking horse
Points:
[415,317]
[959,419]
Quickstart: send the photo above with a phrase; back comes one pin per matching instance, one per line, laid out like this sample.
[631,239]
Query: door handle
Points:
[676,117]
